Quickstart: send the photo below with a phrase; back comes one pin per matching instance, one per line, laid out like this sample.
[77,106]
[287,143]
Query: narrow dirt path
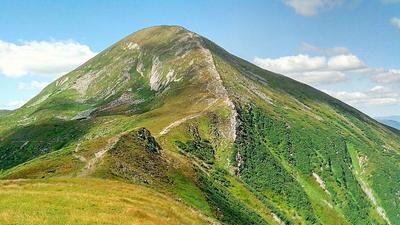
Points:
[176,123]
[90,164]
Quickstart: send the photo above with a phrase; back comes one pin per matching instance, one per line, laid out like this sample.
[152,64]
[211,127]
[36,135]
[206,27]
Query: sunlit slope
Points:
[89,201]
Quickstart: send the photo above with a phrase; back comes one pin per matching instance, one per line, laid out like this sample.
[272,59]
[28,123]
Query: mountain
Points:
[165,116]
[395,118]
[392,121]
[3,112]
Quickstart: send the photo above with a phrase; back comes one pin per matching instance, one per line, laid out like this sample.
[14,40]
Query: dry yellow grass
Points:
[89,201]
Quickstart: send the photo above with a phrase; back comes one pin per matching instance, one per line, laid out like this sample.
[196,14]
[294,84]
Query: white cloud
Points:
[311,7]
[388,76]
[327,68]
[338,64]
[377,95]
[290,64]
[14,104]
[345,62]
[320,77]
[51,58]
[378,89]
[346,96]
[395,22]
[385,92]
[312,69]
[33,85]
[383,76]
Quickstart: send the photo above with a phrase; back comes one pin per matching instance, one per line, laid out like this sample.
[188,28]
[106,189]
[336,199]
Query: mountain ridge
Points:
[392,121]
[234,142]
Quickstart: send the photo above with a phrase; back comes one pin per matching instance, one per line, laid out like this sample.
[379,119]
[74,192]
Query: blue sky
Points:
[349,49]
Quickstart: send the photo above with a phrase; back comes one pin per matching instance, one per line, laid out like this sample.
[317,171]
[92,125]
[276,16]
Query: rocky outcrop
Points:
[148,141]
[137,157]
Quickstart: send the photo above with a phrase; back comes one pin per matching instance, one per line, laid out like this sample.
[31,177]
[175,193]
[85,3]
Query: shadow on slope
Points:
[28,142]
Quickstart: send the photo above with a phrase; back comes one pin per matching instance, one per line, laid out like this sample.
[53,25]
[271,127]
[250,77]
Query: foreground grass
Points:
[89,201]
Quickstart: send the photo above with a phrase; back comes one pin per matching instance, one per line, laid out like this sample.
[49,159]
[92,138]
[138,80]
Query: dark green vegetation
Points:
[281,155]
[198,147]
[168,109]
[38,139]
[261,145]
[228,209]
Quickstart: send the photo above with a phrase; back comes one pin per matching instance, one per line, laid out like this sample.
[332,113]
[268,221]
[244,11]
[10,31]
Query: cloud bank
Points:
[48,58]
[328,68]
[378,95]
[322,67]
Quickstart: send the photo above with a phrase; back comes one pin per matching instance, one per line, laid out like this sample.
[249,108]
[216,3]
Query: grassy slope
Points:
[89,201]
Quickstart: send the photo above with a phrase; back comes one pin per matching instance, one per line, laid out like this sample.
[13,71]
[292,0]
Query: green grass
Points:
[186,189]
[89,201]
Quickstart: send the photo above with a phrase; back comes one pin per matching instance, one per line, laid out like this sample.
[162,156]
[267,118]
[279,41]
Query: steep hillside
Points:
[168,109]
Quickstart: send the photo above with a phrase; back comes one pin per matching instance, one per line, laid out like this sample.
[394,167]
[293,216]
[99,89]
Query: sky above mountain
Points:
[349,49]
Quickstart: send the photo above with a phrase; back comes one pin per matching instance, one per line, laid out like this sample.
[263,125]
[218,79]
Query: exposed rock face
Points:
[148,141]
[83,115]
[217,87]
[82,84]
[155,75]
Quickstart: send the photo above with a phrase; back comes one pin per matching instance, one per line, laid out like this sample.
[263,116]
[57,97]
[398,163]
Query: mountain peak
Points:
[135,73]
[160,35]
[167,108]
[161,28]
